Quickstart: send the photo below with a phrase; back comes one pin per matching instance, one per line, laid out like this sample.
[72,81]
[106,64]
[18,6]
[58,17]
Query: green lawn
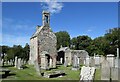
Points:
[30,74]
[97,74]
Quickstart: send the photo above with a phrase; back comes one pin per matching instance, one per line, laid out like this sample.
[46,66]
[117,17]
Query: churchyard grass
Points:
[30,74]
[97,74]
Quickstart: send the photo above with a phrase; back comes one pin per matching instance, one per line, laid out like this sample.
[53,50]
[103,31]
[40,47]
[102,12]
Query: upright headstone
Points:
[105,70]
[75,63]
[66,62]
[37,67]
[97,60]
[78,61]
[117,52]
[50,65]
[0,61]
[92,62]
[102,58]
[16,61]
[114,73]
[19,66]
[87,61]
[111,60]
[61,60]
[82,61]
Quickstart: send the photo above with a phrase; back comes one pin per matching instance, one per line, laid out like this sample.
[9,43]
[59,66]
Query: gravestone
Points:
[117,52]
[97,60]
[82,61]
[16,61]
[11,62]
[61,60]
[66,62]
[19,66]
[87,74]
[92,62]
[87,61]
[102,58]
[78,59]
[37,67]
[0,61]
[111,60]
[114,73]
[75,63]
[50,63]
[105,70]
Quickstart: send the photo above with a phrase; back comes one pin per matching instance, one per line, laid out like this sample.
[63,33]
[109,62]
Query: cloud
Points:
[89,30]
[52,6]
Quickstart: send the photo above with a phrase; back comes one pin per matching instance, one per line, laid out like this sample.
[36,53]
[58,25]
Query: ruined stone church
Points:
[43,44]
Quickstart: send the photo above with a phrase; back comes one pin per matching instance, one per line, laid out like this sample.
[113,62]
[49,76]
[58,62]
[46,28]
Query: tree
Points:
[113,36]
[83,42]
[10,54]
[26,52]
[63,38]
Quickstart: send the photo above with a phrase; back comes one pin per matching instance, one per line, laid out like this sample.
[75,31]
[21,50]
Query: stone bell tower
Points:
[46,18]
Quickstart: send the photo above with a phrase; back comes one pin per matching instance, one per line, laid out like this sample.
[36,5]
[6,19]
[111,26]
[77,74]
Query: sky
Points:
[19,19]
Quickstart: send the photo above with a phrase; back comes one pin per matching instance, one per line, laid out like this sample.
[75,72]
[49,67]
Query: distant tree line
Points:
[9,53]
[102,45]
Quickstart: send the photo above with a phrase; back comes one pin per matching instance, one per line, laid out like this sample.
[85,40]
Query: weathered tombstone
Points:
[19,66]
[105,70]
[97,60]
[102,58]
[50,63]
[87,74]
[78,59]
[11,62]
[37,67]
[16,61]
[92,62]
[111,60]
[81,61]
[87,61]
[66,62]
[117,52]
[75,63]
[61,60]
[114,73]
[0,61]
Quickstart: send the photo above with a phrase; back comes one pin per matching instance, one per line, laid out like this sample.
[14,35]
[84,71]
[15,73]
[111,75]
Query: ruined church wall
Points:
[33,50]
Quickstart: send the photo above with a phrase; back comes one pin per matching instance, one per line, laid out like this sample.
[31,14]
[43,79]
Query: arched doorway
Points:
[60,57]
